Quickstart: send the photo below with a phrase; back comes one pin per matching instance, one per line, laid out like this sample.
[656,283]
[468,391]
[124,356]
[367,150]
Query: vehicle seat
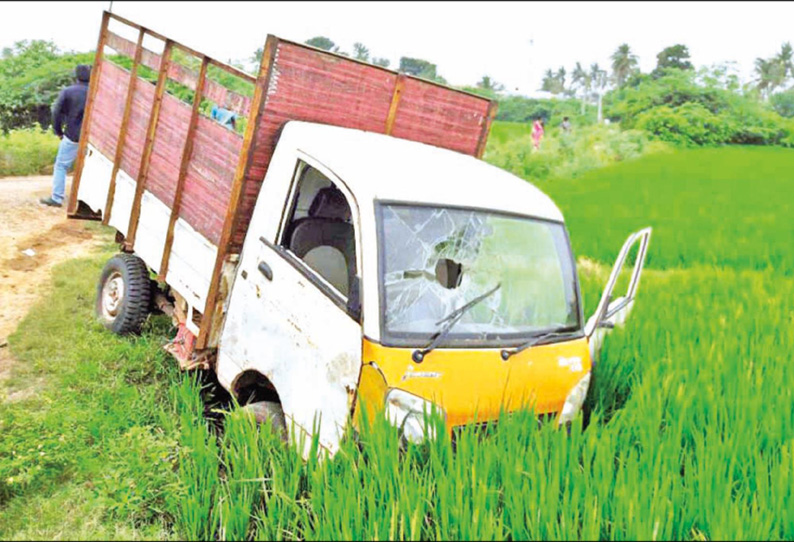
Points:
[325,239]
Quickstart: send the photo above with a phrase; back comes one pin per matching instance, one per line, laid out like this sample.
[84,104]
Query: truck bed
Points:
[181,188]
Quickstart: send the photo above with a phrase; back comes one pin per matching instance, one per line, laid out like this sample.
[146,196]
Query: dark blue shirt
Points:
[69,109]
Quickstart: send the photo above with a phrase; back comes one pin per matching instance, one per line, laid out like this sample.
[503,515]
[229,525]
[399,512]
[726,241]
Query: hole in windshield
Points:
[449,273]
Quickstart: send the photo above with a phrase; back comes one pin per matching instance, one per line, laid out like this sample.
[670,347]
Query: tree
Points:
[786,58]
[488,84]
[624,63]
[599,80]
[321,42]
[582,81]
[384,62]
[675,57]
[771,74]
[554,82]
[32,74]
[360,52]
[560,77]
[420,68]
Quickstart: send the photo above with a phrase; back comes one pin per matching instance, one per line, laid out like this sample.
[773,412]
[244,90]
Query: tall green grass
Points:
[726,207]
[27,152]
[690,435]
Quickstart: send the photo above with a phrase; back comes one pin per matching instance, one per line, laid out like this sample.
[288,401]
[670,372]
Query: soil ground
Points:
[27,224]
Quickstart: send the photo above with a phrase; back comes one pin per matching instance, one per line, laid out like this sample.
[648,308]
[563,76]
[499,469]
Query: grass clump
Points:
[88,443]
[29,151]
[564,155]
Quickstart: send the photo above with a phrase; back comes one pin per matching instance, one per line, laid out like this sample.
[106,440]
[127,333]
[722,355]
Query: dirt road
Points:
[26,224]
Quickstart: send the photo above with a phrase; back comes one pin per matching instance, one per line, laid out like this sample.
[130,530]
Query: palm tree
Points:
[598,78]
[560,77]
[771,74]
[624,62]
[548,81]
[786,58]
[581,79]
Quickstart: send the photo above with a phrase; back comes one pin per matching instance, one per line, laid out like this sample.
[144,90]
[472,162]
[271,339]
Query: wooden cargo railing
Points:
[217,173]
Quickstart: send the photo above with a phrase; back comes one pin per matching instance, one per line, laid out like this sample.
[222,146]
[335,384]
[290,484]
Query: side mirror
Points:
[354,299]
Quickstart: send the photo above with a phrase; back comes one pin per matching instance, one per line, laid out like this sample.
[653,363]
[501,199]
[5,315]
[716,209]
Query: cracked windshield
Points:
[438,259]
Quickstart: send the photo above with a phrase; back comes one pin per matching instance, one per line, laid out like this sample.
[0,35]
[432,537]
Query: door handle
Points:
[265,270]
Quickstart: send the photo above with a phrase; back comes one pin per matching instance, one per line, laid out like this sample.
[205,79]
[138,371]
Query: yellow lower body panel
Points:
[475,385]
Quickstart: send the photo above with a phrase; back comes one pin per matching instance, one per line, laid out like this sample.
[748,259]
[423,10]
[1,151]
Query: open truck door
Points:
[612,310]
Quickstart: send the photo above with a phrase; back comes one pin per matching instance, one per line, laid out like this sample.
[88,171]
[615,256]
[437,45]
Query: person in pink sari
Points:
[537,132]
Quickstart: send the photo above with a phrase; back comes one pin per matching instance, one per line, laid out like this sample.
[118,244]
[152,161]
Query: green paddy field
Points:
[691,435]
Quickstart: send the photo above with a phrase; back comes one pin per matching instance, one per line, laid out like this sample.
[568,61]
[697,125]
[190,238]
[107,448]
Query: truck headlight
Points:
[411,414]
[574,401]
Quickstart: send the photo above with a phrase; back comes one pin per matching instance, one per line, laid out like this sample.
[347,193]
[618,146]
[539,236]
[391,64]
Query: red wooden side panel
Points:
[108,107]
[137,125]
[169,141]
[209,178]
[435,115]
[306,84]
[312,86]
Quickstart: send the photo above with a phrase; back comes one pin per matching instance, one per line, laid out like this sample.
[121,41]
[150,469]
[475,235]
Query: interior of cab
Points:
[319,229]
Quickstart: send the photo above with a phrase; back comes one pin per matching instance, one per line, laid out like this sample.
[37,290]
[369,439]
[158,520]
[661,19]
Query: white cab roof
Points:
[380,167]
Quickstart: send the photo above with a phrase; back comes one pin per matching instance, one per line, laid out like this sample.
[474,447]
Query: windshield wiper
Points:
[451,319]
[538,339]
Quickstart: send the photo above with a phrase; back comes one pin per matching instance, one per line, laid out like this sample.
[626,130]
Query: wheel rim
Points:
[112,295]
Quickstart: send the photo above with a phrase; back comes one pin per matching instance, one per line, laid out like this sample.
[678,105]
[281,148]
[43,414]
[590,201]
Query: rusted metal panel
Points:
[71,208]
[147,149]
[184,161]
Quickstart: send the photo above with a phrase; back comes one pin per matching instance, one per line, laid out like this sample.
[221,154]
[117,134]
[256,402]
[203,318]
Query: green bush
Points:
[783,103]
[27,152]
[688,125]
[677,108]
[565,154]
[32,73]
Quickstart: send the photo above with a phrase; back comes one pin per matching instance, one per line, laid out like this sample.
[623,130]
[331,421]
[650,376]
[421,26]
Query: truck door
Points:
[614,311]
[293,314]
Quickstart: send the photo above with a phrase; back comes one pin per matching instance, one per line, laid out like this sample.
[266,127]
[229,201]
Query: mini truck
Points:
[339,250]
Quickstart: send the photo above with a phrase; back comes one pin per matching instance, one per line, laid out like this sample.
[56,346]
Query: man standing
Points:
[68,110]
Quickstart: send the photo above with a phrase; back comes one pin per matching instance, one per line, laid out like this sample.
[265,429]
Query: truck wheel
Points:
[123,294]
[265,411]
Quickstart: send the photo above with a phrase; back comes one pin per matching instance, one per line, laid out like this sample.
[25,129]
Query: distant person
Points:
[68,110]
[537,132]
[566,125]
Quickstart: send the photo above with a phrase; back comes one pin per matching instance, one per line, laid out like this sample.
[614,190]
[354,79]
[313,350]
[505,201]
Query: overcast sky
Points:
[513,42]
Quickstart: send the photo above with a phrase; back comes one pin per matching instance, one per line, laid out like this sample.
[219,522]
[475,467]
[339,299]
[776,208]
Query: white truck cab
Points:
[351,251]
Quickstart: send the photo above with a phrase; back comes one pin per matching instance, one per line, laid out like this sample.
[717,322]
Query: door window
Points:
[319,228]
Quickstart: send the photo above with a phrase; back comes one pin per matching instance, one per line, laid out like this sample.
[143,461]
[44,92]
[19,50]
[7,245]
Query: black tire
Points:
[127,275]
